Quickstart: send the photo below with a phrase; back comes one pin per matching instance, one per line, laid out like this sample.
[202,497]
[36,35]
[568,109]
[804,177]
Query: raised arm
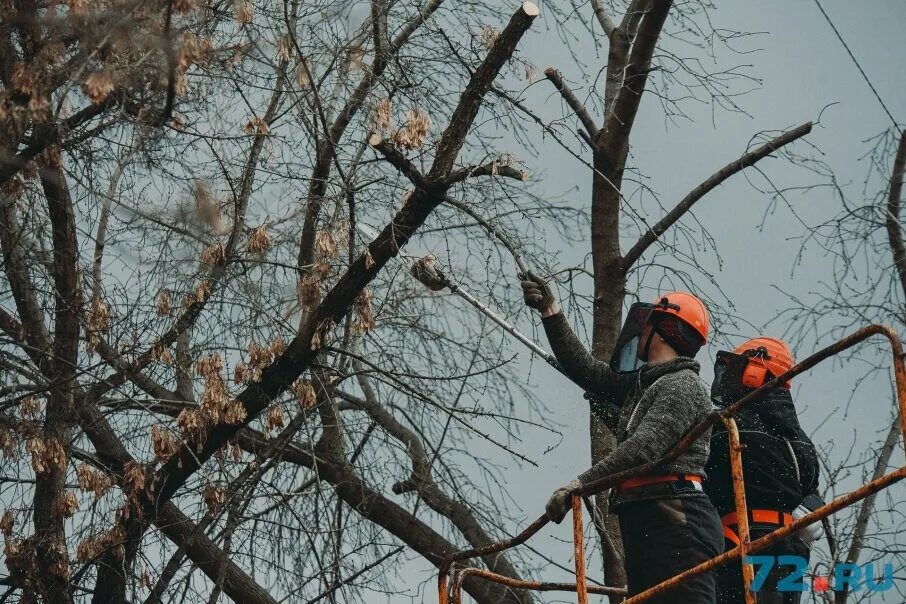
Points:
[589,373]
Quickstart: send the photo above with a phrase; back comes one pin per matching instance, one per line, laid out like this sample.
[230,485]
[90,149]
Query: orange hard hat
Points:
[765,355]
[687,308]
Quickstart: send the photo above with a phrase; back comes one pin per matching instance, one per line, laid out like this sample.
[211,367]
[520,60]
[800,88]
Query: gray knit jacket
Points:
[648,410]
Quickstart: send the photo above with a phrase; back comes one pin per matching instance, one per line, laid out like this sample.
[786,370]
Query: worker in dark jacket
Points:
[780,464]
[649,395]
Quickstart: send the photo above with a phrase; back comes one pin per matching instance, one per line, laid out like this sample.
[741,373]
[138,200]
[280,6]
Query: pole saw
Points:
[428,272]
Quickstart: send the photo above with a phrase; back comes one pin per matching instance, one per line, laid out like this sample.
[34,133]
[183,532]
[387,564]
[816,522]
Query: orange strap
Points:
[731,536]
[642,481]
[761,517]
[757,516]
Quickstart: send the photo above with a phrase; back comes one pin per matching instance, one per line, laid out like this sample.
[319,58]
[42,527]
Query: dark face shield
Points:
[630,352]
[727,387]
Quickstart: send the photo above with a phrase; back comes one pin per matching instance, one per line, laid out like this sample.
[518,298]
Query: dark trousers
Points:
[729,576]
[664,537]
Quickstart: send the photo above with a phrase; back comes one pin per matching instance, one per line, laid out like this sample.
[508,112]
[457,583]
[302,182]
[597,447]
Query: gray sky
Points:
[802,68]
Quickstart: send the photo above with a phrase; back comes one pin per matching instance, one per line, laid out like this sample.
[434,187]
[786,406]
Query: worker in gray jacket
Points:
[649,395]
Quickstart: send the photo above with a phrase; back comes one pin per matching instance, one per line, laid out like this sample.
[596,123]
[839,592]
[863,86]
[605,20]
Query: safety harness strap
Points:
[774,517]
[642,481]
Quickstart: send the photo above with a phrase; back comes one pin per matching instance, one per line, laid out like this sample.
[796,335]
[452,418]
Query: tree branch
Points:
[379,510]
[895,239]
[399,161]
[237,584]
[360,94]
[489,169]
[603,18]
[574,103]
[701,190]
[169,519]
[492,230]
[65,275]
[382,50]
[894,228]
[15,265]
[868,504]
[100,239]
[373,506]
[142,381]
[635,73]
[421,481]
[302,350]
[190,315]
[415,22]
[50,532]
[10,165]
[461,120]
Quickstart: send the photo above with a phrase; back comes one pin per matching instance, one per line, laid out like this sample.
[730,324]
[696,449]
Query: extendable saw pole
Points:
[429,274]
[427,271]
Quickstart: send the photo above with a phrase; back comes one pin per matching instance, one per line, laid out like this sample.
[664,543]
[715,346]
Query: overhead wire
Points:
[858,65]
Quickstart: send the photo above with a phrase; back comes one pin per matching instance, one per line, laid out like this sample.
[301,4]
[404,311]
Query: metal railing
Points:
[453,589]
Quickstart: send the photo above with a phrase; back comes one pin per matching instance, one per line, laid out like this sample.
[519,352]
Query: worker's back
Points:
[780,464]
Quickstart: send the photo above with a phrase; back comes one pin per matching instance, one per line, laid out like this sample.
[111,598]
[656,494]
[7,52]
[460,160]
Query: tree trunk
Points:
[609,288]
[632,46]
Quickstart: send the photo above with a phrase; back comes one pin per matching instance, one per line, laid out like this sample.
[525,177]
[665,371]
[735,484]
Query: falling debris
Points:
[207,209]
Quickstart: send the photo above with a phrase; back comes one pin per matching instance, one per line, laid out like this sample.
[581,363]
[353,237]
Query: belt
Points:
[643,481]
[774,517]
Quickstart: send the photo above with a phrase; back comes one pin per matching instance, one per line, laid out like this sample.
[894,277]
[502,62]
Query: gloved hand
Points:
[561,501]
[536,293]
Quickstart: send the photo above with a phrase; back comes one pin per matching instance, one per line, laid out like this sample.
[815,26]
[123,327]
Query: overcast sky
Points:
[802,68]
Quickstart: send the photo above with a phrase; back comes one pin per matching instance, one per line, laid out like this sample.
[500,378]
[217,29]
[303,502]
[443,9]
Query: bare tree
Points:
[866,242]
[217,376]
[233,103]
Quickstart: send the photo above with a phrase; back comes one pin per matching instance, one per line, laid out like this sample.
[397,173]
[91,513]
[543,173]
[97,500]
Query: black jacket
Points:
[780,463]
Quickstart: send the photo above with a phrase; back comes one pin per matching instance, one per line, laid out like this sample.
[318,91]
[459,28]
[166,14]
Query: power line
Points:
[856,61]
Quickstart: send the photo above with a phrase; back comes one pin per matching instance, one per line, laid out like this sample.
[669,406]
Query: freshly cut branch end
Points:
[531,9]
[375,139]
[428,272]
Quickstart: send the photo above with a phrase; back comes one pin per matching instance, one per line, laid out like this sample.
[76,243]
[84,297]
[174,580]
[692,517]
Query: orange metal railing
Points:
[446,590]
[739,496]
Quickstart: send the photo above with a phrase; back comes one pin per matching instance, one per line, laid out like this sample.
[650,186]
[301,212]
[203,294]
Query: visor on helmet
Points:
[728,387]
[630,353]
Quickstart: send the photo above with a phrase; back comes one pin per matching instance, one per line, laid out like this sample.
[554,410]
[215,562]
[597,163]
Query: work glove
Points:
[561,501]
[536,293]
